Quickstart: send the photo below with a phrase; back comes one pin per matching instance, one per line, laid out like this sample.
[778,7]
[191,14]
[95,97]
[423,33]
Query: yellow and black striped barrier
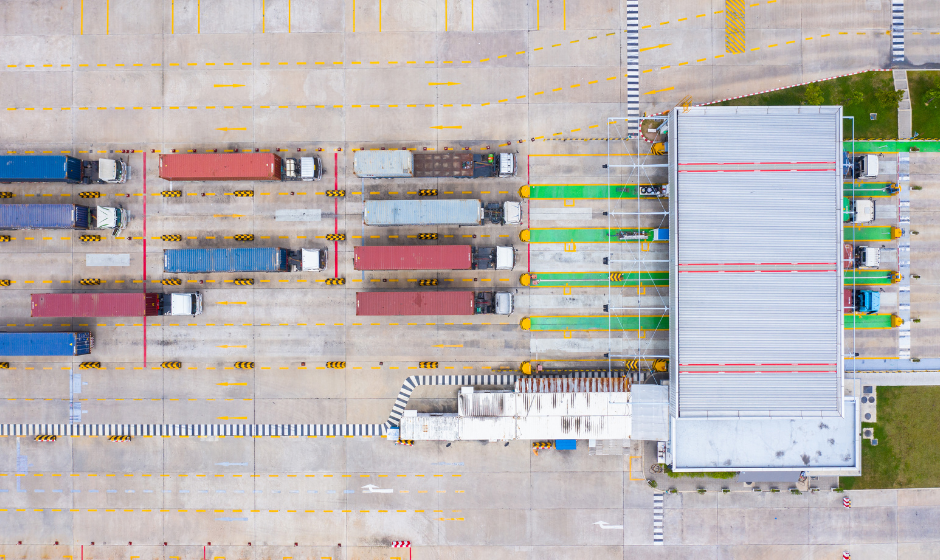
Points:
[244,237]
[123,439]
[336,193]
[633,365]
[543,445]
[428,282]
[89,238]
[173,237]
[427,365]
[90,281]
[427,192]
[336,365]
[6,195]
[408,442]
[45,438]
[89,365]
[244,281]
[336,237]
[5,238]
[171,194]
[89,194]
[171,282]
[171,365]
[616,277]
[335,281]
[244,365]
[427,236]
[5,283]
[243,194]
[4,365]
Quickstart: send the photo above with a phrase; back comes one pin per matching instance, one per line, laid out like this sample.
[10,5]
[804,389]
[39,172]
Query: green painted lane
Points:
[881,146]
[865,190]
[588,235]
[597,279]
[869,277]
[596,323]
[543,192]
[876,321]
[870,233]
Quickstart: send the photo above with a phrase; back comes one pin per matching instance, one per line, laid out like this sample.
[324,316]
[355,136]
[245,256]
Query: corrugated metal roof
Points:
[756,309]
[572,385]
[422,212]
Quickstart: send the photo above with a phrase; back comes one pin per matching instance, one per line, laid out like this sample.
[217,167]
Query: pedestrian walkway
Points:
[633,66]
[734,26]
[658,518]
[897,30]
[905,128]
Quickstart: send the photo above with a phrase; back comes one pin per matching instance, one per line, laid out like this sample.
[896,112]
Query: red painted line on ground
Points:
[756,264]
[761,163]
[748,271]
[750,170]
[336,215]
[144,166]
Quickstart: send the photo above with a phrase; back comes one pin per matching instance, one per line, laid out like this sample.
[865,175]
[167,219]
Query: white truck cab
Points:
[507,165]
[512,213]
[184,304]
[875,257]
[868,166]
[863,211]
[313,260]
[112,171]
[504,303]
[505,258]
[107,217]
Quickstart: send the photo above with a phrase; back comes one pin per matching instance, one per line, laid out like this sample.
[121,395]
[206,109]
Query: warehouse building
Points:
[756,282]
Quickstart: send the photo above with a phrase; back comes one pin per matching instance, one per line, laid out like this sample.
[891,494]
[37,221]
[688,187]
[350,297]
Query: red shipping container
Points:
[132,304]
[412,257]
[220,167]
[390,304]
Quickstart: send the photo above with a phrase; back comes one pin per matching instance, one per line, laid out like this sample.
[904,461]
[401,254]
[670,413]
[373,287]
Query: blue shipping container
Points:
[40,169]
[247,259]
[46,344]
[43,216]
[566,444]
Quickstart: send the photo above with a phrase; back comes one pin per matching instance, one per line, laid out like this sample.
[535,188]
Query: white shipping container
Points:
[423,212]
[383,164]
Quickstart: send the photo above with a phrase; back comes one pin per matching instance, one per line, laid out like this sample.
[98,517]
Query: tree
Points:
[853,97]
[931,97]
[813,95]
[887,95]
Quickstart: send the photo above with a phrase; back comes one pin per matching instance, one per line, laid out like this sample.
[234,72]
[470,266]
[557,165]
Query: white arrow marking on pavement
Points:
[372,489]
[604,525]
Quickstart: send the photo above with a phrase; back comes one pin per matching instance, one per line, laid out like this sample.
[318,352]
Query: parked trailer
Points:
[392,164]
[471,212]
[432,257]
[401,303]
[239,167]
[62,216]
[46,344]
[243,259]
[61,169]
[126,304]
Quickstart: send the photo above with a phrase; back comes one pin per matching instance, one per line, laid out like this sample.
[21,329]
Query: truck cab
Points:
[493,303]
[105,171]
[499,258]
[507,165]
[502,214]
[302,169]
[182,304]
[307,260]
[858,211]
[867,302]
[107,217]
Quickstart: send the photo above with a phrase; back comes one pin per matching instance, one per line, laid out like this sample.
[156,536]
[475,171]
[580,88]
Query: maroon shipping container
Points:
[220,167]
[133,304]
[390,304]
[413,257]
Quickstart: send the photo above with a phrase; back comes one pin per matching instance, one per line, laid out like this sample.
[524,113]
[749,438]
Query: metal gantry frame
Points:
[619,131]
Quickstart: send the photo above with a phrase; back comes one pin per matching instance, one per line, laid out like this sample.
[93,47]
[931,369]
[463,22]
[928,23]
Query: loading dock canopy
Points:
[756,262]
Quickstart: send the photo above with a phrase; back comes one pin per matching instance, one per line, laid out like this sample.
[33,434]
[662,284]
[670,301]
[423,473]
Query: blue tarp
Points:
[244,259]
[566,444]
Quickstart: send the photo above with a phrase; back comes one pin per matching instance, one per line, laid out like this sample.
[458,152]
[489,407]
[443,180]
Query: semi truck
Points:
[61,169]
[868,166]
[243,259]
[46,343]
[126,304]
[858,211]
[63,216]
[861,301]
[471,212]
[432,257]
[392,164]
[245,166]
[401,303]
[873,257]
